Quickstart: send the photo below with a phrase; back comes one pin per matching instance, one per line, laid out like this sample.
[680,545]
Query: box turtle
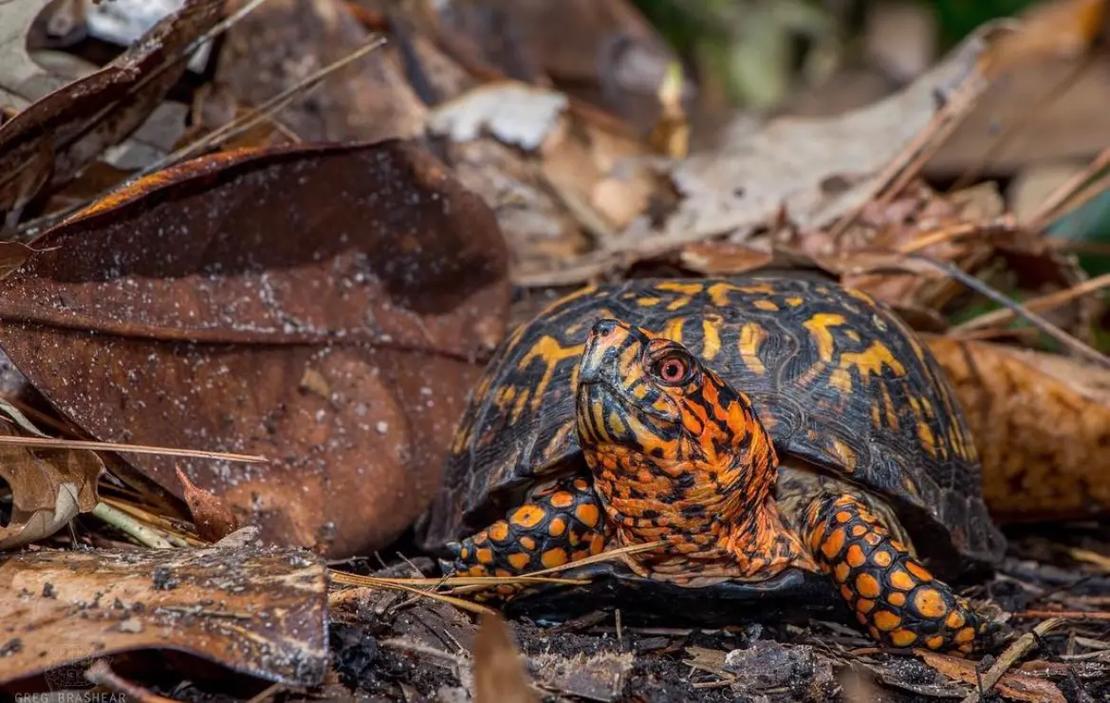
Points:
[752,427]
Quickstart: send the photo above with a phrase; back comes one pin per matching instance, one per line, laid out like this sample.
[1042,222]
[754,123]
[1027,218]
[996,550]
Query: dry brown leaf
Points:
[722,258]
[499,672]
[211,514]
[283,41]
[203,295]
[257,611]
[1041,424]
[1014,686]
[1059,28]
[49,488]
[55,137]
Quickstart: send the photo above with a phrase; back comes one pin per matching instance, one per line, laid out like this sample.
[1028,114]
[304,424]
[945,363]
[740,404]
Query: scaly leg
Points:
[559,522]
[893,595]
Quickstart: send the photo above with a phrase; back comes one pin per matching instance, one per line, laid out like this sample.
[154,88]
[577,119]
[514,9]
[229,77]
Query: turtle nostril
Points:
[605,328]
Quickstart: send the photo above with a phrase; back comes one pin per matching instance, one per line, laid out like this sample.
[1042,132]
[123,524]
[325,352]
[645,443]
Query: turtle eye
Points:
[673,369]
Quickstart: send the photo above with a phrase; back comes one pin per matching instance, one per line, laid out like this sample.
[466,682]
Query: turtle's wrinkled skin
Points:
[670,419]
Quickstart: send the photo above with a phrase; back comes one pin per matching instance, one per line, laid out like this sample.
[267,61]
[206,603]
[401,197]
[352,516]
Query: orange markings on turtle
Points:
[548,350]
[818,327]
[841,572]
[527,516]
[647,301]
[934,642]
[499,531]
[484,555]
[929,602]
[554,557]
[768,305]
[868,586]
[900,579]
[680,287]
[794,301]
[955,620]
[881,557]
[902,638]
[817,537]
[865,605]
[476,570]
[870,361]
[965,635]
[843,516]
[858,530]
[872,538]
[711,336]
[501,573]
[855,556]
[556,528]
[751,338]
[597,544]
[833,544]
[919,571]
[896,598]
[587,514]
[845,453]
[527,542]
[719,294]
[846,592]
[519,560]
[886,620]
[562,499]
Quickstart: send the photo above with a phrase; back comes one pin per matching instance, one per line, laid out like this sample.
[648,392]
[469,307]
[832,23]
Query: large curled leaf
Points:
[322,307]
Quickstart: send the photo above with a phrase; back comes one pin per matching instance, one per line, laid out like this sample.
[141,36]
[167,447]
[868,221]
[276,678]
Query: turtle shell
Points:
[838,381]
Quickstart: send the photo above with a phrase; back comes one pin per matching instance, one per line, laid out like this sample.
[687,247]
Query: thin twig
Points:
[134,529]
[258,114]
[1007,659]
[55,443]
[1064,614]
[1059,197]
[1075,345]
[238,125]
[1039,304]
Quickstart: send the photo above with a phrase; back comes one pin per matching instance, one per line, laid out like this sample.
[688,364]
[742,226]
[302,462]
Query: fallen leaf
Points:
[49,487]
[817,169]
[1041,423]
[22,79]
[203,296]
[1014,686]
[259,612]
[499,673]
[55,137]
[514,113]
[211,515]
[601,676]
[605,52]
[283,41]
[717,258]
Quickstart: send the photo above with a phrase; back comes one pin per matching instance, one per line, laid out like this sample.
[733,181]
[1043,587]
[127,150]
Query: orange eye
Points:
[672,369]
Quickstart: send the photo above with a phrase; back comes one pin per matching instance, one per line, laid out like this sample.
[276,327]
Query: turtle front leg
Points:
[893,595]
[559,522]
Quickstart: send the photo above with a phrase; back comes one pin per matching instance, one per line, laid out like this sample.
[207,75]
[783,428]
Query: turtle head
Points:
[650,398]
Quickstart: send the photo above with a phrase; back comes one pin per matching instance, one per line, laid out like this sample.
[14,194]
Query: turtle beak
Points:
[608,341]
